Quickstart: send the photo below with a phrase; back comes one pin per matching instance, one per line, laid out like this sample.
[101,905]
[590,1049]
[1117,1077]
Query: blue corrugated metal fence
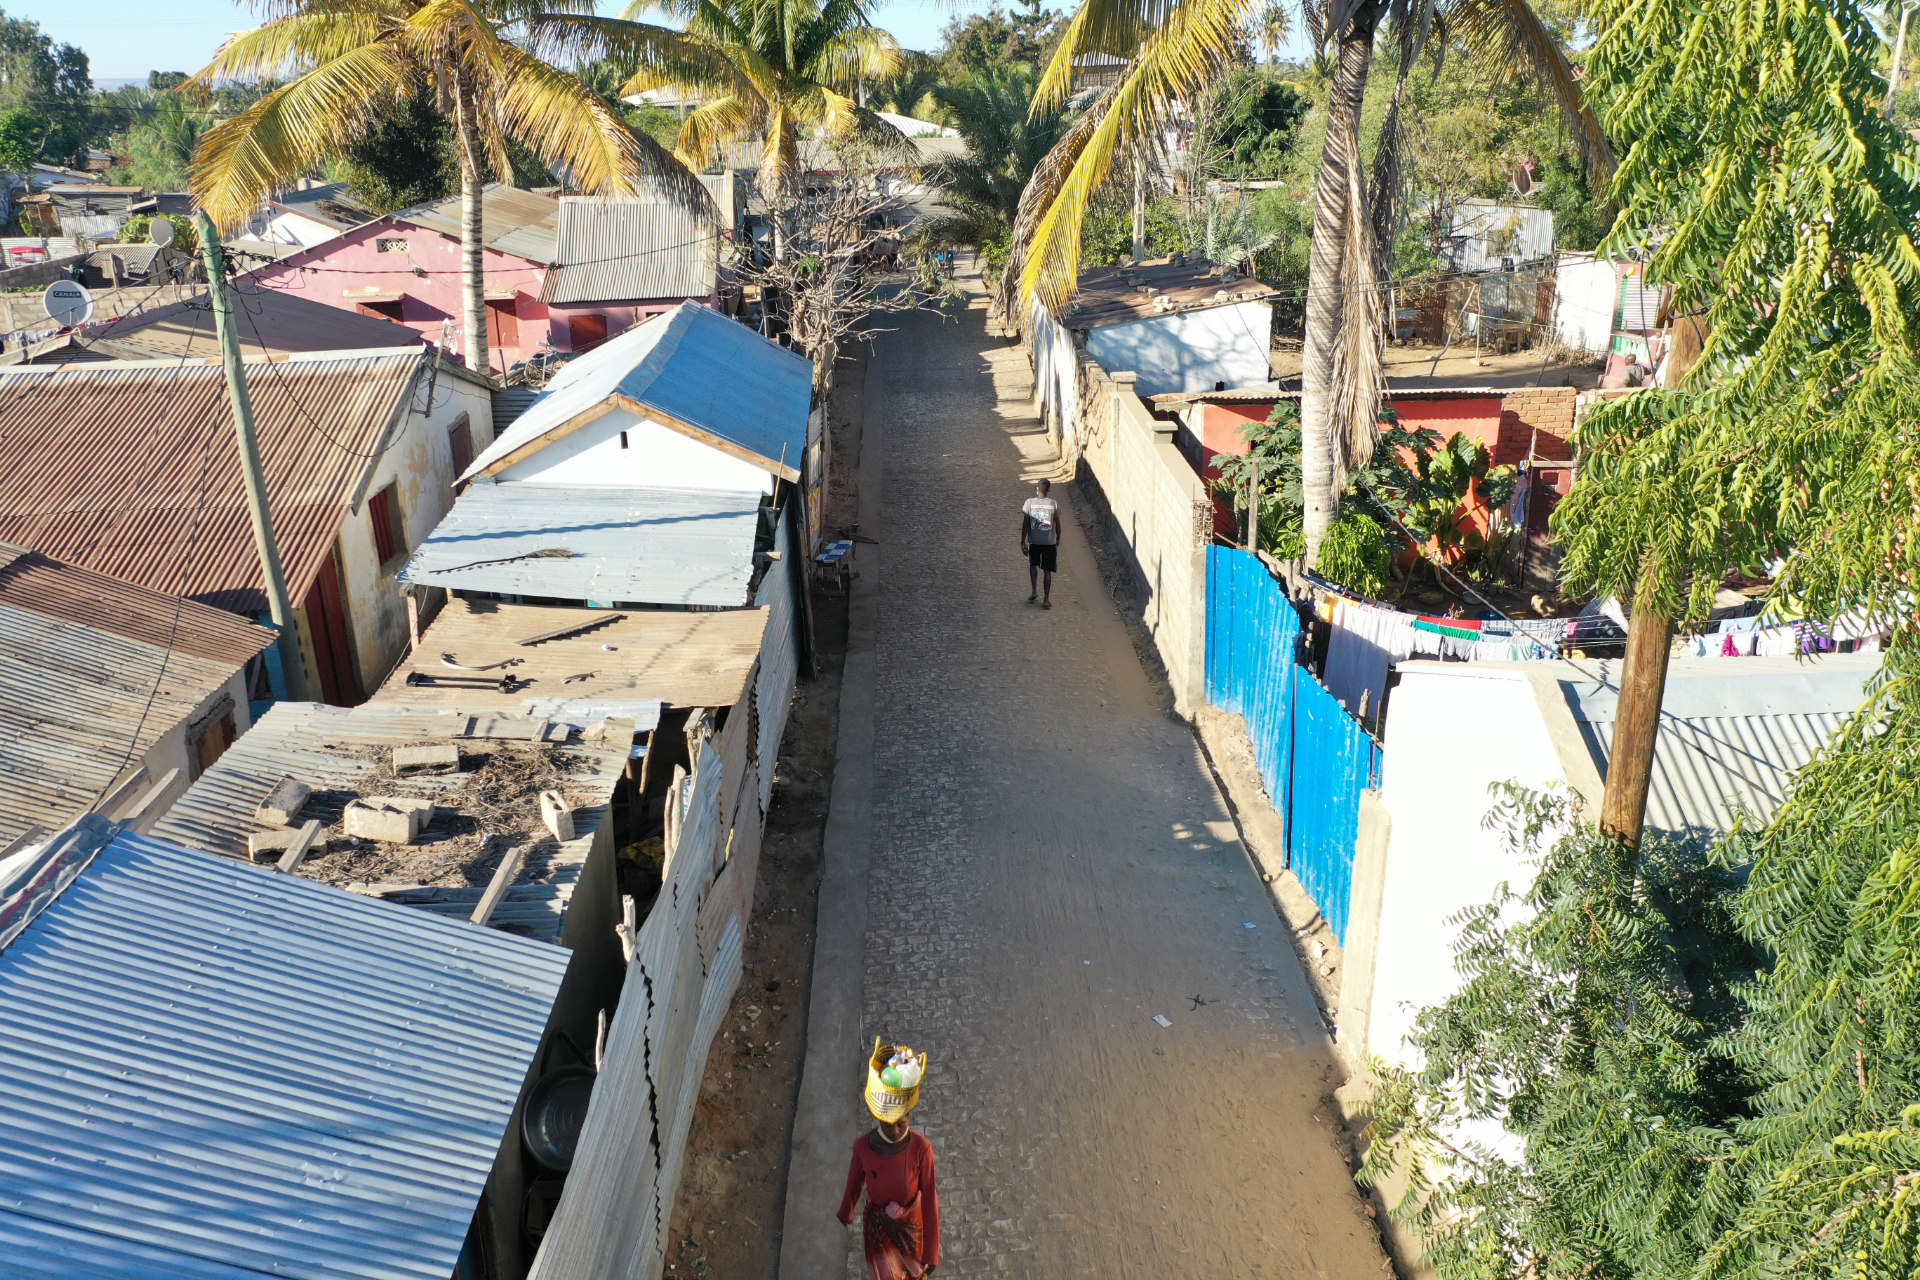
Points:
[1314,758]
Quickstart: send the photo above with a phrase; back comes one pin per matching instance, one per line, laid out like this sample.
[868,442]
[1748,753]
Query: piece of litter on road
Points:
[1161,1020]
[1249,925]
[1086,962]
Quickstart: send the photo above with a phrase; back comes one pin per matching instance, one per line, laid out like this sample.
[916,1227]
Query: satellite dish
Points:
[1523,178]
[160,231]
[68,303]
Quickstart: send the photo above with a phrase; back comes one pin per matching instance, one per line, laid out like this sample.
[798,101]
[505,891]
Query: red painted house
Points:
[563,272]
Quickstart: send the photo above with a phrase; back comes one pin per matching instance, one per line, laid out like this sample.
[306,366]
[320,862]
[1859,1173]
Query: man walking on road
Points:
[1040,539]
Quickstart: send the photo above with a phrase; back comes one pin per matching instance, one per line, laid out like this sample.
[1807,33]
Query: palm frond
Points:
[1117,27]
[1509,38]
[297,127]
[863,53]
[293,46]
[564,122]
[1192,45]
[666,58]
[709,131]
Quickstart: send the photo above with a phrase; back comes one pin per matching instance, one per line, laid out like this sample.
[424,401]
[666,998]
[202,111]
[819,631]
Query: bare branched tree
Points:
[845,262]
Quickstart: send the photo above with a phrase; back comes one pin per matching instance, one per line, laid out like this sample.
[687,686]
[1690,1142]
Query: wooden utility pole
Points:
[1139,209]
[1636,725]
[293,665]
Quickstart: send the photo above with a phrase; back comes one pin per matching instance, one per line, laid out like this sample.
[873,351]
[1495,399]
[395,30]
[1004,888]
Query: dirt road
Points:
[1047,866]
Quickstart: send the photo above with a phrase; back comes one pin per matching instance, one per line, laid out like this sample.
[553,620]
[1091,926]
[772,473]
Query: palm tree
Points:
[346,60]
[771,68]
[1177,48]
[1007,138]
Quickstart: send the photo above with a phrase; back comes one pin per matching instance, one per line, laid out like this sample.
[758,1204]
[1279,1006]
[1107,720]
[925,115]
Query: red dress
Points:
[897,1248]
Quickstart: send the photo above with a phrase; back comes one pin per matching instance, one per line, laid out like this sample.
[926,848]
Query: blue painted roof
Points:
[692,365]
[217,1072]
[640,546]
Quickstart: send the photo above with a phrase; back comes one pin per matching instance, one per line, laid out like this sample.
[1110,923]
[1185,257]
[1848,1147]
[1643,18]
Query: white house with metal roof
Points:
[1732,732]
[216,1071]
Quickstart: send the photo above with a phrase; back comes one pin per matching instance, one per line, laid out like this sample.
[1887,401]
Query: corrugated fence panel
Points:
[1314,758]
[1334,760]
[1251,636]
[779,663]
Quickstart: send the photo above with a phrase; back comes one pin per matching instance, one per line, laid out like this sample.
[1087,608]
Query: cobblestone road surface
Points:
[1051,867]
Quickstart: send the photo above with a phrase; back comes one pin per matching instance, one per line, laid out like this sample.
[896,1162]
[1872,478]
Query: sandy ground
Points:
[1052,868]
[1412,366]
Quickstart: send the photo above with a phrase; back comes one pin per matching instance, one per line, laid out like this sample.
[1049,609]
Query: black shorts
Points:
[1043,557]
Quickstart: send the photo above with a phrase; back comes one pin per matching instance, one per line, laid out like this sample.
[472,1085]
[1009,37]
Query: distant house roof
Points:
[653,546]
[131,468]
[682,659]
[217,1072]
[97,671]
[525,224]
[341,753]
[275,323]
[690,369]
[913,128]
[1116,295]
[617,250]
[333,205]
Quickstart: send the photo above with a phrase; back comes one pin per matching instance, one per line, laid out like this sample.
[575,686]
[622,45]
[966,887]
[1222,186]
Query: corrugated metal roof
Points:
[625,250]
[691,366]
[333,204]
[684,659]
[1108,295]
[276,323]
[317,745]
[215,1071]
[1732,730]
[92,673]
[132,469]
[522,223]
[653,546]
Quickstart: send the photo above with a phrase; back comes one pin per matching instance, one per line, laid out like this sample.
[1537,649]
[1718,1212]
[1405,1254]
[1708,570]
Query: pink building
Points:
[563,272]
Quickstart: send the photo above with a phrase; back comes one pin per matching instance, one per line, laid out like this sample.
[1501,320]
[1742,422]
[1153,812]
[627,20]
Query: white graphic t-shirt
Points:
[1043,517]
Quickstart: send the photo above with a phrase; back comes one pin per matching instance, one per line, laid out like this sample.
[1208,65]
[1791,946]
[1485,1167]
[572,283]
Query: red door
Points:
[332,637]
[585,331]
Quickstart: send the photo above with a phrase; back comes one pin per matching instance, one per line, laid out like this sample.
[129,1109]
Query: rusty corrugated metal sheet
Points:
[1107,295]
[132,469]
[79,701]
[522,223]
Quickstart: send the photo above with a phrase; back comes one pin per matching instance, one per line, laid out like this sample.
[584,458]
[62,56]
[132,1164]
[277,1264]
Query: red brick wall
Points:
[1550,410]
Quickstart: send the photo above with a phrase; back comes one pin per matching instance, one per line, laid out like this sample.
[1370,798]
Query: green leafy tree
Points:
[405,157]
[1250,122]
[139,228]
[52,80]
[1775,196]
[21,130]
[161,146]
[996,38]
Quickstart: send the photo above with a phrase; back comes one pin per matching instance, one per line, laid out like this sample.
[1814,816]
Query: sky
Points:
[125,39]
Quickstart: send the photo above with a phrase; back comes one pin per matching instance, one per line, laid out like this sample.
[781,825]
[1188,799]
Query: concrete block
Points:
[434,757]
[283,803]
[557,814]
[388,819]
[267,846]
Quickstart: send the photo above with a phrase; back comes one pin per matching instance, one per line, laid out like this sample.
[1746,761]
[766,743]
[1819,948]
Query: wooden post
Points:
[1253,509]
[1636,725]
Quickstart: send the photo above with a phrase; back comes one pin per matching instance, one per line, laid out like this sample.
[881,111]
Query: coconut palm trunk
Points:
[473,274]
[1339,227]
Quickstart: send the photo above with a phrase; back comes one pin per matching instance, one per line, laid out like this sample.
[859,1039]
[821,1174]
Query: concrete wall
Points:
[420,462]
[653,455]
[170,751]
[1191,350]
[1439,858]
[1586,290]
[1162,515]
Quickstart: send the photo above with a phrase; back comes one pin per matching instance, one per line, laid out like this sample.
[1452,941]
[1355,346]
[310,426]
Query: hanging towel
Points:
[1364,643]
[1727,649]
[1446,627]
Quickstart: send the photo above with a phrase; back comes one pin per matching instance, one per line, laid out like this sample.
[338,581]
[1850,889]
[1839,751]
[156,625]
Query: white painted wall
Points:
[420,462]
[1190,350]
[169,751]
[1584,293]
[1440,859]
[654,457]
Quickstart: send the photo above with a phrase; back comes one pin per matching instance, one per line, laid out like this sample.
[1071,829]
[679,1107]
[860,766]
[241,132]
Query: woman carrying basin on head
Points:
[894,1165]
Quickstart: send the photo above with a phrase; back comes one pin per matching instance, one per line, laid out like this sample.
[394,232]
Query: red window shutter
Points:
[503,325]
[460,441]
[384,512]
[584,331]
